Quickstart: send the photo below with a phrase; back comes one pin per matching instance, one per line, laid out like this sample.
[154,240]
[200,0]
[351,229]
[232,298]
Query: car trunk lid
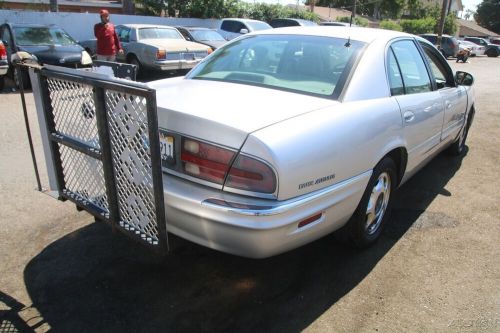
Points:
[225,113]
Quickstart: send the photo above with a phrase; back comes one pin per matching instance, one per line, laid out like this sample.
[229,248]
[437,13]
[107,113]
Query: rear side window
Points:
[412,67]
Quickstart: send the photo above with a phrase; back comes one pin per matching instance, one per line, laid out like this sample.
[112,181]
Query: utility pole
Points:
[441,23]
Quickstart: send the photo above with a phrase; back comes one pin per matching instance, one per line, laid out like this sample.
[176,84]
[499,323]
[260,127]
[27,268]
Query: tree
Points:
[488,15]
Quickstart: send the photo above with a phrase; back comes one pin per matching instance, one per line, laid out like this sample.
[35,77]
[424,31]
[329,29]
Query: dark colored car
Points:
[449,44]
[492,50]
[4,65]
[44,44]
[205,36]
[290,22]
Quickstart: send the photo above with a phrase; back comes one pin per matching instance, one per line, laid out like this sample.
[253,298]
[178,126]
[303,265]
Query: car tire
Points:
[24,76]
[134,61]
[457,148]
[369,218]
[492,53]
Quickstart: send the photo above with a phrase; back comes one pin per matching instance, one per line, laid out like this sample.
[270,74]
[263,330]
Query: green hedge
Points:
[390,25]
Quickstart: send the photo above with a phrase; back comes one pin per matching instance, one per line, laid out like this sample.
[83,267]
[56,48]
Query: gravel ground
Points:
[436,268]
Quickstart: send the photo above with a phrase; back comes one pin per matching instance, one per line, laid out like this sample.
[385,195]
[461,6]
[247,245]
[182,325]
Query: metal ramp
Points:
[102,135]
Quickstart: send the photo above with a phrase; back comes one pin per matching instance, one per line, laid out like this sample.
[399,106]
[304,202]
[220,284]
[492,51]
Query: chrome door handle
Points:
[408,116]
[428,109]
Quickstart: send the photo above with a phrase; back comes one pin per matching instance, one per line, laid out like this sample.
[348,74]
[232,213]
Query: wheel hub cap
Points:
[377,203]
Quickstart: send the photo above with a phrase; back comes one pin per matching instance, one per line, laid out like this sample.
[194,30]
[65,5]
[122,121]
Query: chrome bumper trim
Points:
[280,207]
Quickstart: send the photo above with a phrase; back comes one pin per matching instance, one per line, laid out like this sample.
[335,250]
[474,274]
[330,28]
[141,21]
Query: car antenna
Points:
[353,12]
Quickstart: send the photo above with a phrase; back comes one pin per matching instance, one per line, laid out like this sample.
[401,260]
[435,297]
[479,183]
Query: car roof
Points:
[138,26]
[366,35]
[31,25]
[193,28]
[241,19]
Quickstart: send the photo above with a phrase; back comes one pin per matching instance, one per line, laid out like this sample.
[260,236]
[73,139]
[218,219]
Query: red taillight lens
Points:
[3,52]
[252,175]
[205,161]
[161,54]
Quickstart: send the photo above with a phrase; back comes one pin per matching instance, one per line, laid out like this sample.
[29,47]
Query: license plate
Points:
[166,147]
[189,56]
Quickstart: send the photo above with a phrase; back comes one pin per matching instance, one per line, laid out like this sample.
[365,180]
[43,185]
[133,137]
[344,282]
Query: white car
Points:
[231,28]
[297,132]
[473,48]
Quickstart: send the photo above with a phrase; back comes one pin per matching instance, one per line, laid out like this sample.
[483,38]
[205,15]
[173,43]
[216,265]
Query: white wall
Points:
[81,25]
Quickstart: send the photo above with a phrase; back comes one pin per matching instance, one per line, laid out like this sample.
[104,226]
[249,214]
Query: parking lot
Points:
[436,268]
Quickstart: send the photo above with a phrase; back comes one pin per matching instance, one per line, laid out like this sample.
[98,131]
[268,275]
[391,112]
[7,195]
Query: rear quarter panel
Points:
[327,146]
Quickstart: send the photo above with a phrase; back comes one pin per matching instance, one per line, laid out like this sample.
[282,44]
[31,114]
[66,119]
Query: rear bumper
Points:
[175,64]
[256,228]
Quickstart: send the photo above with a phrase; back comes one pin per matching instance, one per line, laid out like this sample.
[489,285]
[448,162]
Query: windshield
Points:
[307,64]
[256,26]
[207,35]
[159,33]
[27,36]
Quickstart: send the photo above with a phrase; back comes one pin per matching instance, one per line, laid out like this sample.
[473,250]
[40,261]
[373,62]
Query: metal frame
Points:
[57,140]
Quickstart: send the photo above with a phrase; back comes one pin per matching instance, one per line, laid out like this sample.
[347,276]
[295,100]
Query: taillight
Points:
[210,50]
[3,52]
[252,175]
[161,54]
[205,161]
[213,164]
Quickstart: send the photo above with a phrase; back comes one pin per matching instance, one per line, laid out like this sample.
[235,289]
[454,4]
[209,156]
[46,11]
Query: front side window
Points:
[441,71]
[304,64]
[412,66]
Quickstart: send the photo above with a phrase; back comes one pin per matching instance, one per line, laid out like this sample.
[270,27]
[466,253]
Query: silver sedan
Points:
[283,136]
[158,47]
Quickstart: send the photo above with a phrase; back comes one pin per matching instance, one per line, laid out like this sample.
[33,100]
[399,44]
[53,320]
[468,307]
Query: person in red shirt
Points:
[108,44]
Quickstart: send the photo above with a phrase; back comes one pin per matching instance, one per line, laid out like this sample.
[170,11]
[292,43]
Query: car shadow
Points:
[92,280]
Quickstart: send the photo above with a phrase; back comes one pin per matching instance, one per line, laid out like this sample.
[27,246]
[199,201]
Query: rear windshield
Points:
[305,64]
[159,33]
[42,36]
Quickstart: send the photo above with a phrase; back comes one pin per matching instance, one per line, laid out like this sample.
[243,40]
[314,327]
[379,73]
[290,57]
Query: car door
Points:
[421,106]
[231,29]
[454,96]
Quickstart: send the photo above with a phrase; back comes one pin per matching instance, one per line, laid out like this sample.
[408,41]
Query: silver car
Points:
[155,47]
[297,132]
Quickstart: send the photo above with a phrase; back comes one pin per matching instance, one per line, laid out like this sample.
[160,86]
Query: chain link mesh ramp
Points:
[104,141]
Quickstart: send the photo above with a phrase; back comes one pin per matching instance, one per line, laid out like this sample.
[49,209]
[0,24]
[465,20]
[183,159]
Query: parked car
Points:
[495,41]
[205,36]
[491,50]
[291,22]
[449,44]
[307,131]
[45,44]
[473,48]
[4,65]
[231,28]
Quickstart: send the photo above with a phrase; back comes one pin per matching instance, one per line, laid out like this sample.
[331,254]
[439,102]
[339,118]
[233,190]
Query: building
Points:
[468,28]
[73,6]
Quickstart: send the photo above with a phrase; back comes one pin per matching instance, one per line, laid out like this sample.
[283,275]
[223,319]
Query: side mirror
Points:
[243,31]
[464,78]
